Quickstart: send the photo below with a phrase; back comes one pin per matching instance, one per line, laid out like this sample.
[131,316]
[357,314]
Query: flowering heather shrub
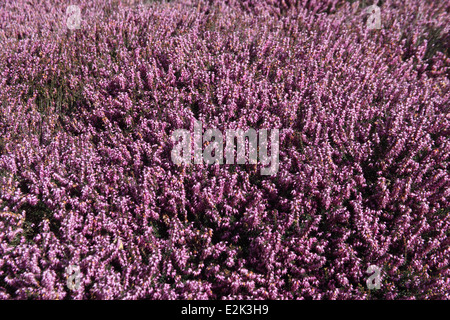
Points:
[86,177]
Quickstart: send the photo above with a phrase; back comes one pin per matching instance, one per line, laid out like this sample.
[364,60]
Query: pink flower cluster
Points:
[86,177]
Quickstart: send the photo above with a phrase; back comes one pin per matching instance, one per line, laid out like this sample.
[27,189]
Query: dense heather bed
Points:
[86,177]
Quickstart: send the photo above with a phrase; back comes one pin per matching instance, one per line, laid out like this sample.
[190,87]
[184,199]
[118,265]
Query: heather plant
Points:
[93,207]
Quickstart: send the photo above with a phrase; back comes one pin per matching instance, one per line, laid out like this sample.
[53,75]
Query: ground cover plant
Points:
[86,177]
